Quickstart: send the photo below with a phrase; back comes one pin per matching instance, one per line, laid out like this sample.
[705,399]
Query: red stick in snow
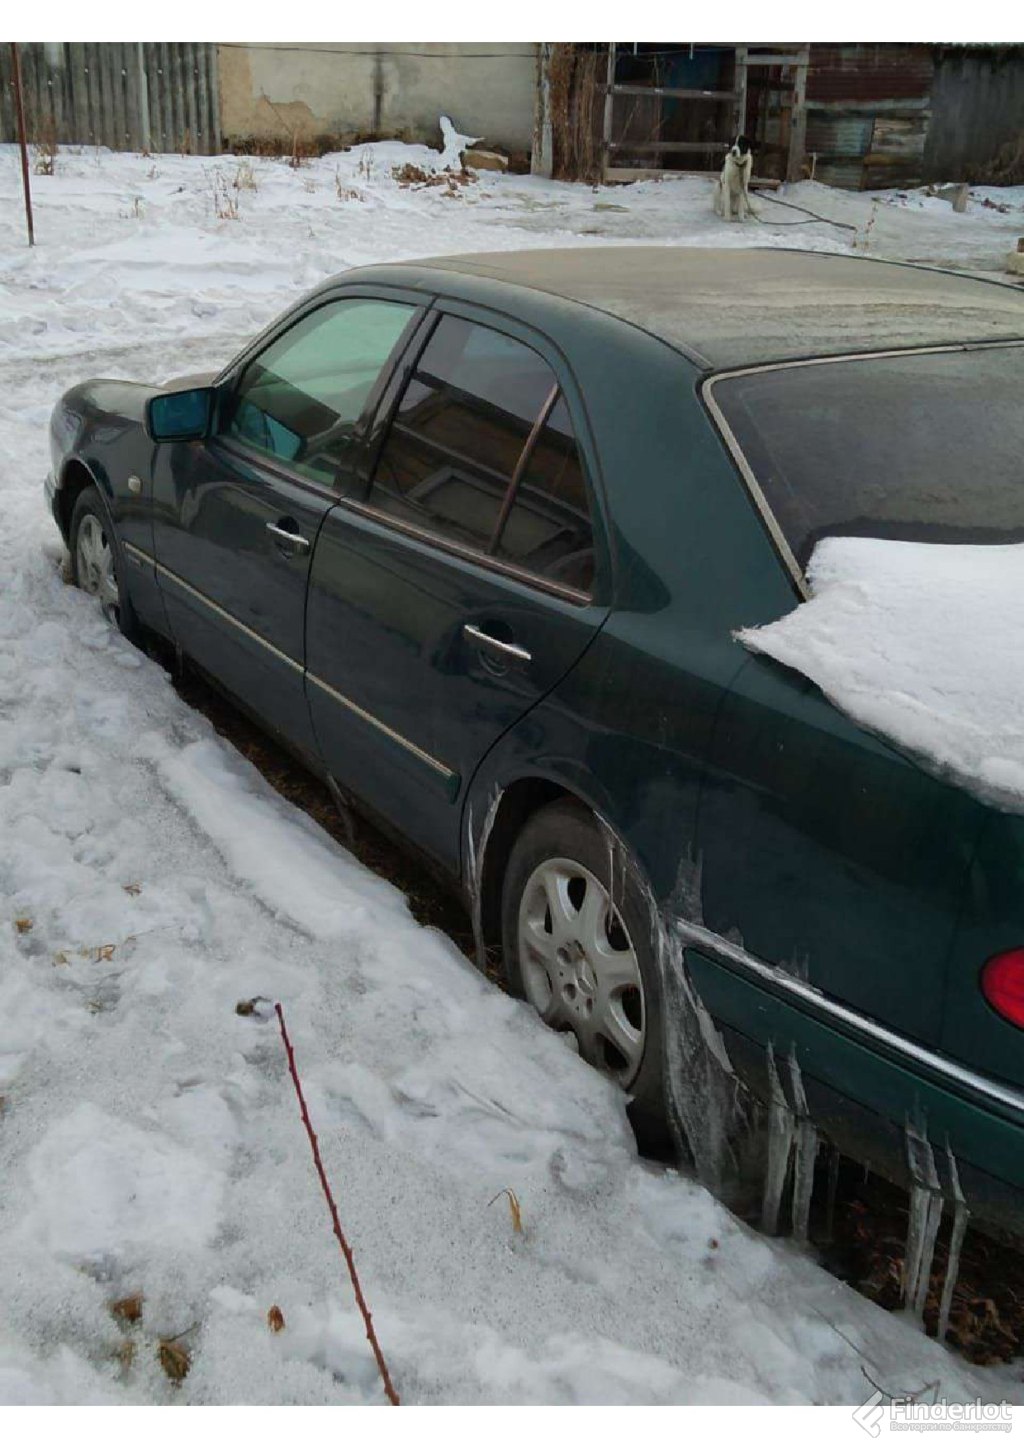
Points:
[342,1243]
[19,111]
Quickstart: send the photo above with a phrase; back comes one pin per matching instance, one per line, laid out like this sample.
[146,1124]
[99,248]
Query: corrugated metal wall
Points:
[977,107]
[152,95]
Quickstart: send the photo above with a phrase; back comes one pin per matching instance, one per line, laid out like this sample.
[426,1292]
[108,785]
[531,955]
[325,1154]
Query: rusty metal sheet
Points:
[842,135]
[869,72]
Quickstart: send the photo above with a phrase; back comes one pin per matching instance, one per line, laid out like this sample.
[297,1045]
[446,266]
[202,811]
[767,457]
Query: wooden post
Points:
[22,142]
[740,87]
[798,123]
[609,105]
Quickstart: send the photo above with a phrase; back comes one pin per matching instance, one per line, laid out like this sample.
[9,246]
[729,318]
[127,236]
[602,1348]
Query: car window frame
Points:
[553,357]
[228,380]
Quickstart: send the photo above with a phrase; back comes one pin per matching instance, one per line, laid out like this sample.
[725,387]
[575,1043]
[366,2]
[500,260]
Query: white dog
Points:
[732,198]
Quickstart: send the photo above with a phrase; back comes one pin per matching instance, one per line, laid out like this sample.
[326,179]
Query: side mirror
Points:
[180,416]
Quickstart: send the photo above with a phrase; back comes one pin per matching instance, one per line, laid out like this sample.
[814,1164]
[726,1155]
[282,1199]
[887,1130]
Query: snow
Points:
[150,1141]
[921,643]
[454,143]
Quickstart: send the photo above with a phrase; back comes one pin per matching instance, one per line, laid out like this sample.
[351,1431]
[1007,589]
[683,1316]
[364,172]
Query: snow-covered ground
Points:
[149,1137]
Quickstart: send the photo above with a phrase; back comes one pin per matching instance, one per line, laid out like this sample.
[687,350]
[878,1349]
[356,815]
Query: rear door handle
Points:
[293,540]
[498,646]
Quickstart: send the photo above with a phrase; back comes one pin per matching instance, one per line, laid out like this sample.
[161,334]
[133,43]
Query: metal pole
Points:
[20,109]
[609,107]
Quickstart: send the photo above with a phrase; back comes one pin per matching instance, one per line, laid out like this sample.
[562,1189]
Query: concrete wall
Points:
[270,91]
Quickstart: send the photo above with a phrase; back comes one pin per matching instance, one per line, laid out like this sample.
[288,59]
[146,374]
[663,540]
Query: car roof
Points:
[747,305]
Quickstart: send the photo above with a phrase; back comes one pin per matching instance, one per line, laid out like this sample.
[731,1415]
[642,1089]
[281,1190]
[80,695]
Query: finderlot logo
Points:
[871,1414]
[910,1415]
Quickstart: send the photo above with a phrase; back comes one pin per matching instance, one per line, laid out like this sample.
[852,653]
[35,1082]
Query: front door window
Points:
[300,399]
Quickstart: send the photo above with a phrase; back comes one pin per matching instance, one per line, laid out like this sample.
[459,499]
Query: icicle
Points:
[701,1081]
[475,853]
[703,1094]
[804,1153]
[931,1232]
[781,1128]
[925,1216]
[961,1216]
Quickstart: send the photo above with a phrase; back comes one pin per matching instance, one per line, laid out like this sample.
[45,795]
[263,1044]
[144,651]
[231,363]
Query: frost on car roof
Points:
[748,305]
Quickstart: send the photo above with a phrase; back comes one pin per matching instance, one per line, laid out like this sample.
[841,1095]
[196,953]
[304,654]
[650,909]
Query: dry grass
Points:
[1007,168]
[45,148]
[175,1360]
[127,1309]
[986,1324]
[450,183]
[245,177]
[515,1211]
[225,199]
[346,193]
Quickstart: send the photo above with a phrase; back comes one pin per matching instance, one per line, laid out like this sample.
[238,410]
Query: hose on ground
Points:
[825,220]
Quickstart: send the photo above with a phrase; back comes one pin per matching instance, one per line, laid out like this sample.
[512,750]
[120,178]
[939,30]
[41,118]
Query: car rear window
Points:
[927,447]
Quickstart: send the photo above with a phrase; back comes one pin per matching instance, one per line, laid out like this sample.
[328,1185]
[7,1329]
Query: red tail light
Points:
[1002,985]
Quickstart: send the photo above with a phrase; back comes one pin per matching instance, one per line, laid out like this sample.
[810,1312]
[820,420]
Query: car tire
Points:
[97,561]
[581,970]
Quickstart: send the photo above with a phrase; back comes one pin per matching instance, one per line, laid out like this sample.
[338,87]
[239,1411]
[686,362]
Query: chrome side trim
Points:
[346,703]
[754,489]
[739,457]
[138,556]
[449,775]
[202,598]
[780,982]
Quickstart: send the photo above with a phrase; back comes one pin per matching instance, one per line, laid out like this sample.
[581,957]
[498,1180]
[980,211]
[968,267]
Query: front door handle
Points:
[294,541]
[498,646]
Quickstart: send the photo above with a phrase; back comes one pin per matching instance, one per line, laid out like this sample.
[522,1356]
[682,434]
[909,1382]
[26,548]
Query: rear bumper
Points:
[873,1104]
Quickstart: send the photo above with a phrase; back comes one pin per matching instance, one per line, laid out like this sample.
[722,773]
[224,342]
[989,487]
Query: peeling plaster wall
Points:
[269,91]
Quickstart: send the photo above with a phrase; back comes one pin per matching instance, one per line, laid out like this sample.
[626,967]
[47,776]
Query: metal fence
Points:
[977,109]
[144,96]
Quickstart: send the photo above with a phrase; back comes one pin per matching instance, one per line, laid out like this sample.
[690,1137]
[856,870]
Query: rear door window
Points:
[481,453]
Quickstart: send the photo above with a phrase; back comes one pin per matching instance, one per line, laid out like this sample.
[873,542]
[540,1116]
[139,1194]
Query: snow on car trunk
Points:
[922,643]
[149,1137]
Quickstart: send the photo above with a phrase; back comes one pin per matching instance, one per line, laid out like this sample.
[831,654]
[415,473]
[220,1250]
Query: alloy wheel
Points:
[94,560]
[579,967]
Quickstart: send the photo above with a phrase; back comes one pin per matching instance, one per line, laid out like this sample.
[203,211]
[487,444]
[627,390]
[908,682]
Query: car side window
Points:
[481,452]
[300,399]
[548,529]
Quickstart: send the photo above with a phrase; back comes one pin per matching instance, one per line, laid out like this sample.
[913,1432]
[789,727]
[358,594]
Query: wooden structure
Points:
[719,112]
